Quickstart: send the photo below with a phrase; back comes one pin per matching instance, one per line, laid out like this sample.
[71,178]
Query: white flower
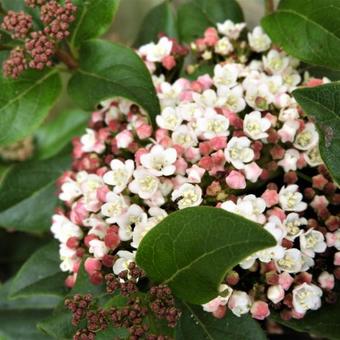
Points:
[275,293]
[275,62]
[160,161]
[90,143]
[307,262]
[258,96]
[292,224]
[184,136]
[288,114]
[120,174]
[290,159]
[290,199]
[223,46]
[156,52]
[255,126]
[62,228]
[306,296]
[190,111]
[145,184]
[250,207]
[70,190]
[98,248]
[221,300]
[288,131]
[307,138]
[313,157]
[212,125]
[191,195]
[239,302]
[258,40]
[169,119]
[170,93]
[134,216]
[291,261]
[233,97]
[226,75]
[208,98]
[231,30]
[89,183]
[312,242]
[238,152]
[122,264]
[114,207]
[68,258]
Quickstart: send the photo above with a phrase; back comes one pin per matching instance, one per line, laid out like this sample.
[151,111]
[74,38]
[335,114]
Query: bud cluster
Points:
[38,46]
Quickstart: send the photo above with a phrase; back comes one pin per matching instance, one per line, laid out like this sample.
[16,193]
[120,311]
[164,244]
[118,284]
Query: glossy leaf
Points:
[109,70]
[197,15]
[307,30]
[160,19]
[322,104]
[25,103]
[93,18]
[54,136]
[192,249]
[200,325]
[40,274]
[28,194]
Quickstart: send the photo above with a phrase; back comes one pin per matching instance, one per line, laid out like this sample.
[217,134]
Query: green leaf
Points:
[93,18]
[160,19]
[25,103]
[200,71]
[40,274]
[28,194]
[199,325]
[18,318]
[192,249]
[54,136]
[195,16]
[322,104]
[108,70]
[307,30]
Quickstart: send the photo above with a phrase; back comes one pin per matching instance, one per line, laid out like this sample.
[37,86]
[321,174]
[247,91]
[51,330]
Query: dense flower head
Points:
[236,140]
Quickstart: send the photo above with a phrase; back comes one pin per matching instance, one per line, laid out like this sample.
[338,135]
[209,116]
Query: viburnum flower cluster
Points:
[236,140]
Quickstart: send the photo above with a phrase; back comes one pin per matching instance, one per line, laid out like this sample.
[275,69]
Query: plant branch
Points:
[269,6]
[67,59]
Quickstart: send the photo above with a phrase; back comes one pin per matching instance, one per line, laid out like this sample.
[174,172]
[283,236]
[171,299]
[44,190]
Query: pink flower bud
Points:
[181,166]
[337,258]
[275,293]
[271,197]
[259,310]
[91,265]
[124,138]
[236,180]
[144,131]
[169,62]
[326,280]
[285,280]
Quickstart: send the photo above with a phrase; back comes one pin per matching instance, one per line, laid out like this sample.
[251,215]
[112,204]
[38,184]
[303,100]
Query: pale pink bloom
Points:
[337,259]
[252,171]
[326,280]
[259,310]
[205,81]
[285,280]
[236,180]
[123,139]
[181,166]
[144,131]
[271,197]
[319,202]
[92,265]
[275,293]
[195,174]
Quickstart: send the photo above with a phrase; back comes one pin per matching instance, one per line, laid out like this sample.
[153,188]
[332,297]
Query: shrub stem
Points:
[269,6]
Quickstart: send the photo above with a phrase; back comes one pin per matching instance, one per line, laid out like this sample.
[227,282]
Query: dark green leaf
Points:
[192,249]
[320,72]
[18,318]
[307,30]
[195,16]
[93,19]
[113,333]
[322,104]
[28,194]
[199,325]
[25,103]
[40,274]
[108,70]
[54,136]
[160,19]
